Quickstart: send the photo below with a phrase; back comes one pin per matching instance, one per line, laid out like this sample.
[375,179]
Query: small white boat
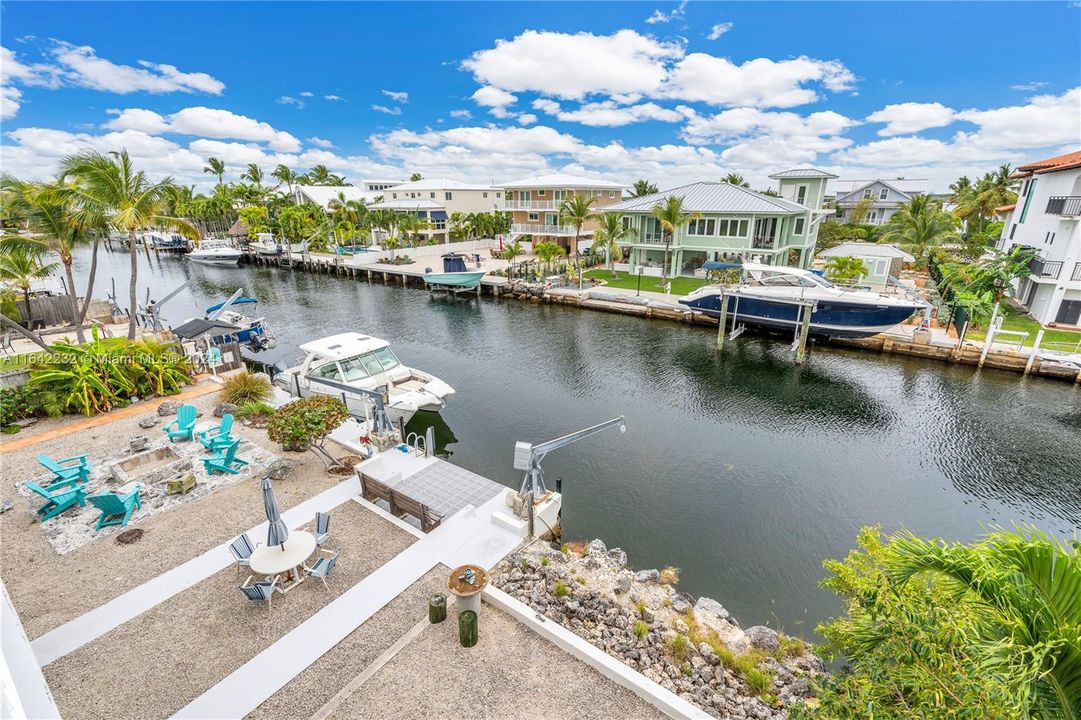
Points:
[215,252]
[455,274]
[333,364]
[156,240]
[266,245]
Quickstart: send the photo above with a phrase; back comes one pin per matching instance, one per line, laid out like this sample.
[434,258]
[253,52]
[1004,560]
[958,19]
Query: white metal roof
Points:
[438,184]
[409,204]
[323,194]
[803,173]
[712,197]
[560,180]
[905,185]
[854,248]
[345,345]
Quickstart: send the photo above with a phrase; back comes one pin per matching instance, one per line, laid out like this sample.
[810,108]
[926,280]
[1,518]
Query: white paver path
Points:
[467,536]
[92,625]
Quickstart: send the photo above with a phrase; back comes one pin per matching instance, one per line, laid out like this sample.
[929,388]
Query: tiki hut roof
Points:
[239,228]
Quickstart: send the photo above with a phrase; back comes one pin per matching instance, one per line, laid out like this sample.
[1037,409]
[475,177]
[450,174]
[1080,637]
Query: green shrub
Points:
[640,629]
[25,401]
[789,646]
[251,409]
[679,647]
[306,423]
[245,387]
[561,589]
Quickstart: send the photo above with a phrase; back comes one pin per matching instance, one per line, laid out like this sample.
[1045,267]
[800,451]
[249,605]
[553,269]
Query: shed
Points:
[882,260]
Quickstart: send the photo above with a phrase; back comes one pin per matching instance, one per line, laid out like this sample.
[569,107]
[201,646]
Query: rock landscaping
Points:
[690,646]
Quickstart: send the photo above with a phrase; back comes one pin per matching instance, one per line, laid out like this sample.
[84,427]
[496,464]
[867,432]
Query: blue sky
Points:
[495,91]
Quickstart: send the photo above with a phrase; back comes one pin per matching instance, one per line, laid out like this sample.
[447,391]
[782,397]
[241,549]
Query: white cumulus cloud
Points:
[719,29]
[204,122]
[387,110]
[910,117]
[398,97]
[320,142]
[81,65]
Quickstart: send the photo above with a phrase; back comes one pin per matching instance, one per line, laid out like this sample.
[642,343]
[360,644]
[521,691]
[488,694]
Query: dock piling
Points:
[722,322]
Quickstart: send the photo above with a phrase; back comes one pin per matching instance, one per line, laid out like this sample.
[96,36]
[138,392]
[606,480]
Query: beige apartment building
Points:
[534,206]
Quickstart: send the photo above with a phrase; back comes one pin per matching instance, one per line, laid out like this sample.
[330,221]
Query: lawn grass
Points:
[627,281]
[1019,323]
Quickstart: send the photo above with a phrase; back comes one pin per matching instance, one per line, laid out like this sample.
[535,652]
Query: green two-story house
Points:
[733,223]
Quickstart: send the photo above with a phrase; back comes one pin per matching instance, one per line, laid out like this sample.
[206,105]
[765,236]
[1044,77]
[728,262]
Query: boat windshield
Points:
[788,280]
[372,363]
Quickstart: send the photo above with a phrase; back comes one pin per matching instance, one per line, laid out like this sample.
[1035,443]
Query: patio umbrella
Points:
[277,532]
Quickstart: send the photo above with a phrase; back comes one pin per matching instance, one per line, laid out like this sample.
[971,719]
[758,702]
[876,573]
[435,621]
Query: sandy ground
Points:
[155,664]
[49,590]
[510,673]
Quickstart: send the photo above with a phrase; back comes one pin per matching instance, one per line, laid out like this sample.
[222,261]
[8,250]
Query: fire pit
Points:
[148,467]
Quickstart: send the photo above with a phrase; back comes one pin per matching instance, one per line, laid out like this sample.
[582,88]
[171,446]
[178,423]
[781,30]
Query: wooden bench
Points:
[400,505]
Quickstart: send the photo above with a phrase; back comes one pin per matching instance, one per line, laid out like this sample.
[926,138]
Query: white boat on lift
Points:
[366,362]
[215,252]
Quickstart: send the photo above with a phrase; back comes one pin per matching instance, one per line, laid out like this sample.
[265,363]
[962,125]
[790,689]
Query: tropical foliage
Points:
[106,373]
[670,214]
[845,270]
[919,226]
[21,264]
[934,629]
[305,424]
[642,188]
[246,387]
[576,210]
[23,402]
[976,202]
[609,235]
[546,252]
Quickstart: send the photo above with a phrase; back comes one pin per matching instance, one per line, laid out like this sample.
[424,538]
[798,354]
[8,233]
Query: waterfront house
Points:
[735,223]
[366,191]
[435,200]
[886,197]
[534,205]
[881,260]
[1045,219]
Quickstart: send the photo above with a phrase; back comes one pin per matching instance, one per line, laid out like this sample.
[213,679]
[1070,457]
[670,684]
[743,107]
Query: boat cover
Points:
[238,301]
[453,262]
[195,328]
[715,265]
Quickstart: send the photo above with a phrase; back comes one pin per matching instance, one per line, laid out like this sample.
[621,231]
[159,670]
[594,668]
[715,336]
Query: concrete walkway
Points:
[92,625]
[468,536]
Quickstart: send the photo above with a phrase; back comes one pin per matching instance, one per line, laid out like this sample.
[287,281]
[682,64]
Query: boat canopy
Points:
[345,345]
[715,265]
[453,262]
[238,301]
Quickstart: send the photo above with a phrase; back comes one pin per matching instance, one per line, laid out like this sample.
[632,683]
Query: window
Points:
[525,196]
[534,217]
[448,196]
[1013,229]
[867,193]
[395,195]
[484,194]
[551,219]
[872,217]
[732,228]
[611,193]
[540,193]
[701,227]
[560,195]
[386,358]
[883,194]
[801,194]
[1024,188]
[371,363]
[799,226]
[353,369]
[433,196]
[498,195]
[327,372]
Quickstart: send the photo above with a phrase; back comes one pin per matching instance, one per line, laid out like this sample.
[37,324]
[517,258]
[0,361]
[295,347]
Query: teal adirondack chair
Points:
[116,507]
[218,438]
[184,425]
[64,471]
[226,462]
[57,501]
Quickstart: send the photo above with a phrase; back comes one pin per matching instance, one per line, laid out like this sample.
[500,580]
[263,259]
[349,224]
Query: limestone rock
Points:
[148,421]
[617,557]
[596,547]
[711,606]
[223,409]
[648,576]
[167,408]
[763,638]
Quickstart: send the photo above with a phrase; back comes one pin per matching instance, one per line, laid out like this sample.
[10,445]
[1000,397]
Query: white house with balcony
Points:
[882,197]
[435,200]
[366,191]
[1046,219]
[534,204]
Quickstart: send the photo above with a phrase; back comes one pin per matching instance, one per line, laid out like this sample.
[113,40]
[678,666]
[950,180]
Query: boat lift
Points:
[803,322]
[528,457]
[152,307]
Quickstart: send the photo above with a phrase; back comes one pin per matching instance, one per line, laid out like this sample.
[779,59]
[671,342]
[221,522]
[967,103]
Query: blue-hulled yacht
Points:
[770,297]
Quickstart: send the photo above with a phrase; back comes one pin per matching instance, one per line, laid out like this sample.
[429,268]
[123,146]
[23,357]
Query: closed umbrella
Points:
[277,532]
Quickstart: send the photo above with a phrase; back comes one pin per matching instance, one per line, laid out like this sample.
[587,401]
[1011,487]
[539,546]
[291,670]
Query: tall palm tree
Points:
[320,175]
[919,226]
[609,235]
[20,265]
[109,189]
[671,216]
[50,215]
[253,173]
[546,252]
[736,179]
[643,187]
[576,210]
[1029,588]
[215,166]
[283,174]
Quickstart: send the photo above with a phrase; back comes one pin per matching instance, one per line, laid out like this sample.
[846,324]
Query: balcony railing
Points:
[541,229]
[762,242]
[1043,269]
[531,205]
[1067,205]
[1076,272]
[651,238]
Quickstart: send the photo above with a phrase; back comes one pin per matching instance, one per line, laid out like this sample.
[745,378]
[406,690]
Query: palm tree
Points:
[50,214]
[671,216]
[609,235]
[643,187]
[546,252]
[415,177]
[511,251]
[109,189]
[1028,587]
[320,175]
[845,270]
[736,179]
[20,265]
[918,226]
[283,174]
[253,173]
[576,210]
[215,166]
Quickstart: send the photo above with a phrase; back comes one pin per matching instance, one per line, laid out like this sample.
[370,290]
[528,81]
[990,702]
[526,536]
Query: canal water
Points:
[742,470]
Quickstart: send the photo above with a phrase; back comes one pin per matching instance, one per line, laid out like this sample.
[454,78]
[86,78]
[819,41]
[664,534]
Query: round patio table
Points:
[467,596]
[288,559]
